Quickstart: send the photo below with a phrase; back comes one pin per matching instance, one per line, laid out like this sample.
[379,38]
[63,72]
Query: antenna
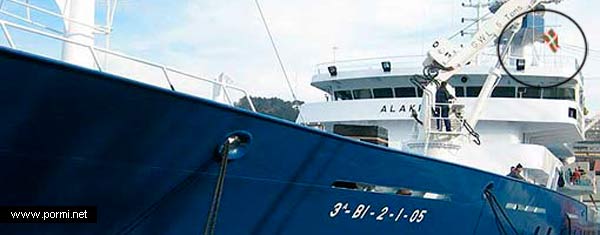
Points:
[334,50]
[478,6]
[476,21]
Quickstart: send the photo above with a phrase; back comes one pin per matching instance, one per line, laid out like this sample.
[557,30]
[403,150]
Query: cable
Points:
[469,25]
[211,221]
[512,226]
[495,206]
[579,47]
[287,79]
[415,116]
[285,75]
[472,132]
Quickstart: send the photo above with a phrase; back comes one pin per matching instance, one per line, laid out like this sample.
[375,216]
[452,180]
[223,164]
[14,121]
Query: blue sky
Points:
[207,37]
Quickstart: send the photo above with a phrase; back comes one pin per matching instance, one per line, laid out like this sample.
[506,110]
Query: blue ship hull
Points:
[145,157]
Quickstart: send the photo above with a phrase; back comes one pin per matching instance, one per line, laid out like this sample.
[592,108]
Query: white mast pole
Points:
[81,13]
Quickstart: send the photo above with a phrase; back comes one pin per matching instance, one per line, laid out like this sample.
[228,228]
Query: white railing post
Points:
[28,10]
[223,86]
[7,35]
[250,101]
[95,58]
[164,69]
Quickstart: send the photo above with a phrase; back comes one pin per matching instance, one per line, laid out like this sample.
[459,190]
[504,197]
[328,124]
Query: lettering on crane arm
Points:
[490,32]
[482,39]
[514,13]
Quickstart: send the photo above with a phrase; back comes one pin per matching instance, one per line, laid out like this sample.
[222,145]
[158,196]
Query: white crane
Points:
[444,60]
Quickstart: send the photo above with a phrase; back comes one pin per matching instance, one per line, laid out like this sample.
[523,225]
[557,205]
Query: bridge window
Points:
[343,95]
[460,91]
[405,92]
[529,92]
[473,91]
[504,92]
[559,93]
[362,94]
[383,93]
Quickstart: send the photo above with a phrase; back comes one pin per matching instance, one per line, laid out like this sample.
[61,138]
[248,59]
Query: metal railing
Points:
[413,63]
[453,119]
[544,61]
[593,121]
[166,71]
[577,177]
[583,180]
[30,8]
[374,63]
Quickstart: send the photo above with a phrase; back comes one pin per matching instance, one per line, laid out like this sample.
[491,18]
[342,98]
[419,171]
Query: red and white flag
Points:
[551,38]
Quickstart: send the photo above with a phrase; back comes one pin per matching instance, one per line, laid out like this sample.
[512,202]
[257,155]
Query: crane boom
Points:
[447,59]
[452,58]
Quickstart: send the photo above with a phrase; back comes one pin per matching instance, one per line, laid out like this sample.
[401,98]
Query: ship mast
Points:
[479,7]
[79,27]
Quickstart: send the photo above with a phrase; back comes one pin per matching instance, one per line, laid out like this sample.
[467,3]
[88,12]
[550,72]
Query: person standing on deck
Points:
[570,174]
[442,108]
[516,172]
[577,177]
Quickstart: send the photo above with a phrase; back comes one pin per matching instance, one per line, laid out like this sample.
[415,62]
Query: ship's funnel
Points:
[79,22]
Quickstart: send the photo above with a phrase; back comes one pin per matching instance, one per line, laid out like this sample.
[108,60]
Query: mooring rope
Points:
[211,221]
[495,206]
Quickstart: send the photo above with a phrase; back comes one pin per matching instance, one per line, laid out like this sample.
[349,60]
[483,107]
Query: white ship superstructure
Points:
[522,119]
[518,124]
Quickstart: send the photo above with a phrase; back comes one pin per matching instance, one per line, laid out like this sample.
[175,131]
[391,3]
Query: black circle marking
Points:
[498,54]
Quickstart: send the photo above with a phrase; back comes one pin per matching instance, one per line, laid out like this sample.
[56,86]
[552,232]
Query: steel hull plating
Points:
[145,157]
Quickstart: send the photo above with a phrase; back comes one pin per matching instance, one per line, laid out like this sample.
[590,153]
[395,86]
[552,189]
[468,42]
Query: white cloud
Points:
[210,37]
